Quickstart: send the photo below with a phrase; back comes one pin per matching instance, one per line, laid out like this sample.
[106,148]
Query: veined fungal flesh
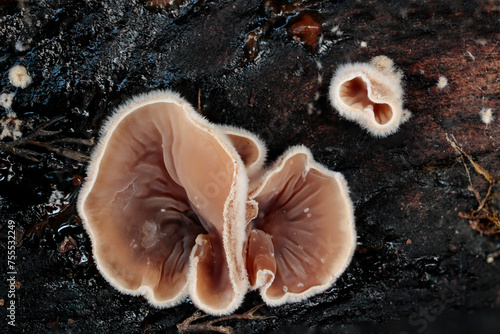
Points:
[303,236]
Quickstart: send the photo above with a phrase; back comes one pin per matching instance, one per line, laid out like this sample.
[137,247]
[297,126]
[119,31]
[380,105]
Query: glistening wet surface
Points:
[416,257]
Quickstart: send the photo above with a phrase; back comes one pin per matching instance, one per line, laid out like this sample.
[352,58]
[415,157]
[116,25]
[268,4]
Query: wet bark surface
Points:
[263,66]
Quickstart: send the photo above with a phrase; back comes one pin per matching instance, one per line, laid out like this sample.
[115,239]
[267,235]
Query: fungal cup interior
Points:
[152,199]
[303,233]
[354,93]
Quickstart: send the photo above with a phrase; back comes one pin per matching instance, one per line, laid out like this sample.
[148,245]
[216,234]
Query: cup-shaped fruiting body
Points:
[303,237]
[164,204]
[19,77]
[370,94]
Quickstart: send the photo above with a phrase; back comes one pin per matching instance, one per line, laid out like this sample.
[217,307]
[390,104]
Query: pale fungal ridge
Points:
[19,77]
[370,94]
[251,149]
[303,237]
[164,204]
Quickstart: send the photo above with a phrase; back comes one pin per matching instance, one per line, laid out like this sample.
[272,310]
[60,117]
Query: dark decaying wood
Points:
[426,197]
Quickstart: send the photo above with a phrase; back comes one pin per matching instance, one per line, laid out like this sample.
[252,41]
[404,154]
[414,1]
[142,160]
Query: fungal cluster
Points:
[177,206]
[10,124]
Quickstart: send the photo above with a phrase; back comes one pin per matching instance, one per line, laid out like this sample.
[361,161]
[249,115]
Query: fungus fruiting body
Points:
[303,236]
[370,94]
[10,126]
[164,204]
[6,100]
[19,77]
[177,206]
[442,82]
[21,46]
[486,115]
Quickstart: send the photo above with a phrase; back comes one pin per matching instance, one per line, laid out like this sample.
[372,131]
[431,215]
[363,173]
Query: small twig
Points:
[484,218]
[479,88]
[486,198]
[478,217]
[188,326]
[27,154]
[38,132]
[461,152]
[13,146]
[77,141]
[70,154]
[477,167]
